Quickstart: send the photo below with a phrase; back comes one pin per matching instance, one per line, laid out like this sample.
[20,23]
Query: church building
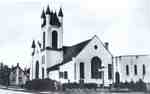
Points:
[89,61]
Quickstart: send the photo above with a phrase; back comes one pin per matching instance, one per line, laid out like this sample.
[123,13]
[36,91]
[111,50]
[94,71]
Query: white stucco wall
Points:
[86,56]
[69,67]
[54,75]
[48,35]
[15,74]
[53,57]
[35,58]
[131,61]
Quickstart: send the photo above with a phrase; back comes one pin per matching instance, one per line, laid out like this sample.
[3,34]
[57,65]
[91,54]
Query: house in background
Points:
[18,76]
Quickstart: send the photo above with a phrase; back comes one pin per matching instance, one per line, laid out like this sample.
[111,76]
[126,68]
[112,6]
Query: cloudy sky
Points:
[125,24]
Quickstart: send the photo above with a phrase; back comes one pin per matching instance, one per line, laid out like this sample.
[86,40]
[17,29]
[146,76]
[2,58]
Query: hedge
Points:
[138,86]
[42,85]
[78,85]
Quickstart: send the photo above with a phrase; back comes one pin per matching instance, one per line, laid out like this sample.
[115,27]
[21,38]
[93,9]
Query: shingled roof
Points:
[69,52]
[73,51]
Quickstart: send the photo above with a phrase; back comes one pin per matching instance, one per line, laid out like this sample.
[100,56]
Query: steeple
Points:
[55,18]
[60,16]
[43,18]
[33,47]
[48,16]
[43,15]
[60,13]
[33,44]
[48,10]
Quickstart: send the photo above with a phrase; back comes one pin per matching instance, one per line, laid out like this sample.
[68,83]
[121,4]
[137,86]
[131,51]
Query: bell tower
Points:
[52,27]
[52,36]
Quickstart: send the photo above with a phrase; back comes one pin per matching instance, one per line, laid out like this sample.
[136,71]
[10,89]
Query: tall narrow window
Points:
[43,59]
[42,73]
[37,70]
[144,70]
[65,75]
[43,40]
[54,39]
[135,69]
[109,71]
[60,74]
[95,66]
[82,70]
[117,77]
[127,70]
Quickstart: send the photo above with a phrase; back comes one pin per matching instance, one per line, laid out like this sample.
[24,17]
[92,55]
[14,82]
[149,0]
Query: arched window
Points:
[127,70]
[95,66]
[42,73]
[37,70]
[144,70]
[54,39]
[135,69]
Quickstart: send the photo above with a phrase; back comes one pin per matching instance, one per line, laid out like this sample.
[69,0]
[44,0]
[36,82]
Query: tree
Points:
[4,74]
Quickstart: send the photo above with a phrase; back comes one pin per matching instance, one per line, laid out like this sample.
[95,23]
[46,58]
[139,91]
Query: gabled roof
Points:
[55,67]
[17,66]
[27,71]
[132,55]
[73,51]
[70,52]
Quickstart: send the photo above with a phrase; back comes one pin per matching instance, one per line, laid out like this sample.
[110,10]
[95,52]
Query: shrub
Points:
[78,85]
[70,85]
[42,84]
[90,85]
[138,86]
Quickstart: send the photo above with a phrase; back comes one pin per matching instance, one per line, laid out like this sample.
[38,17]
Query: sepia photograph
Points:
[75,47]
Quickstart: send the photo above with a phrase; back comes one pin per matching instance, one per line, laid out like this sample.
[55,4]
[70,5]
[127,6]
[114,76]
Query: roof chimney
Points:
[106,45]
[18,64]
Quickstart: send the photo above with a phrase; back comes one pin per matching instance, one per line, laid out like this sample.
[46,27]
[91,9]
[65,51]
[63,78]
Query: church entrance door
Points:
[37,70]
[82,72]
[117,77]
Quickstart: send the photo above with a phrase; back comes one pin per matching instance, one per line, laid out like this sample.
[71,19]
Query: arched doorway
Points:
[117,75]
[37,70]
[96,64]
[54,39]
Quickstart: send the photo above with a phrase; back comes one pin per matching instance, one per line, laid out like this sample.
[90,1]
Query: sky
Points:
[125,24]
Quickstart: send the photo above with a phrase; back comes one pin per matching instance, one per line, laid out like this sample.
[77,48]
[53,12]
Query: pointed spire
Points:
[55,18]
[43,14]
[39,43]
[52,18]
[33,44]
[60,13]
[55,14]
[48,10]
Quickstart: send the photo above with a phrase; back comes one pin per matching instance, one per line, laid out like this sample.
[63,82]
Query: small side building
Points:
[129,68]
[18,76]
